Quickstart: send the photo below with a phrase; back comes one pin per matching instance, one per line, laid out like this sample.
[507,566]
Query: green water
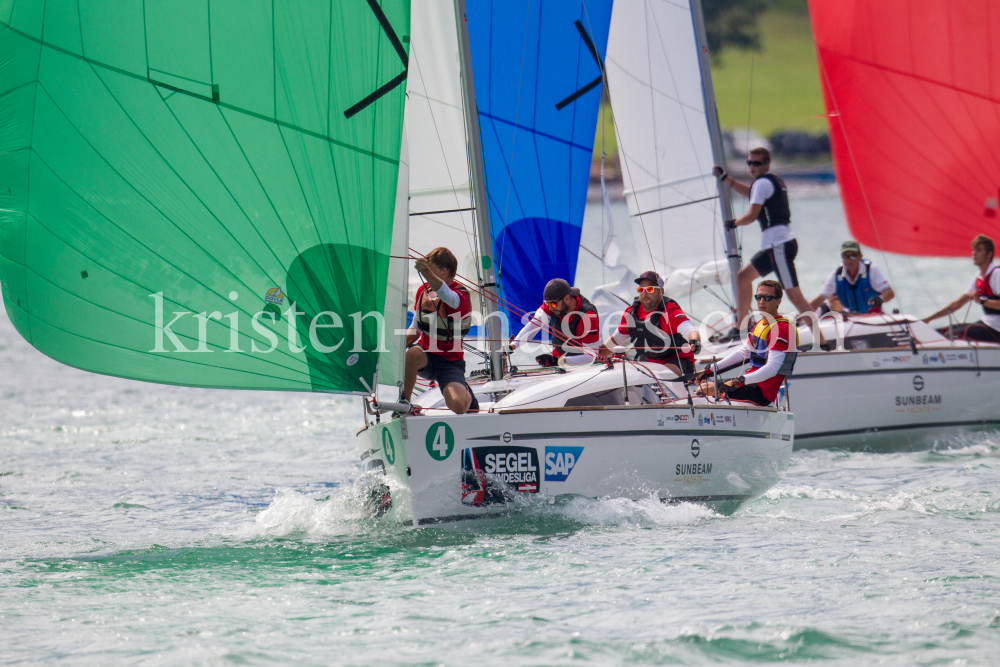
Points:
[151,525]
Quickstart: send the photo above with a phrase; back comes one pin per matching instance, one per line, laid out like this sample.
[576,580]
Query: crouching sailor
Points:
[441,318]
[985,289]
[658,328]
[767,347]
[572,321]
[857,286]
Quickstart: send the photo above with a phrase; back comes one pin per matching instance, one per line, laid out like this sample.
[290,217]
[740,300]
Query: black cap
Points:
[557,288]
[650,275]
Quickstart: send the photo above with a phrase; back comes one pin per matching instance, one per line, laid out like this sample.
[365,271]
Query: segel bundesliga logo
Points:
[491,474]
[560,461]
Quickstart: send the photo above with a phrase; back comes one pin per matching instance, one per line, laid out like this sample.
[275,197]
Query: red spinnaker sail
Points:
[912,90]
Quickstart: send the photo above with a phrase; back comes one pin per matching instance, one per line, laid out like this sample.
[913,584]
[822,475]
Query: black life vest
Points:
[983,289]
[576,321]
[429,315]
[775,210]
[649,344]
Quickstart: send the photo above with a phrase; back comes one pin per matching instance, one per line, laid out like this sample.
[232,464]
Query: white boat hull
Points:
[452,468]
[893,398]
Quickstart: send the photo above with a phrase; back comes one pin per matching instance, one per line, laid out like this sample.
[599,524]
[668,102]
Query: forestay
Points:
[664,144]
[202,193]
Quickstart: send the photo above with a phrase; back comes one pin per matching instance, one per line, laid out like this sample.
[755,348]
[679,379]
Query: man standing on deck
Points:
[984,289]
[572,322]
[441,318]
[771,348]
[778,247]
[857,286]
[658,328]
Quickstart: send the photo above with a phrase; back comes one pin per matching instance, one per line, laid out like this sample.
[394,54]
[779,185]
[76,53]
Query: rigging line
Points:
[513,146]
[667,208]
[447,210]
[618,135]
[854,164]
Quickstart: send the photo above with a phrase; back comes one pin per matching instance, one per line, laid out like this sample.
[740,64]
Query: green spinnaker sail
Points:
[176,175]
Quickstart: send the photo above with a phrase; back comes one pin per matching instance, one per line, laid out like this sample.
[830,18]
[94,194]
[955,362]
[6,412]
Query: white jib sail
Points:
[664,145]
[440,185]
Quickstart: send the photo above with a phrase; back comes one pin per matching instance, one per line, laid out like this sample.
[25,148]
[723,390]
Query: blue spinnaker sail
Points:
[537,68]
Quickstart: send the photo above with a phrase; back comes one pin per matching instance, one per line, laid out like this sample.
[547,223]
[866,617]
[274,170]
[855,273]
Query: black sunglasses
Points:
[764,297]
[755,163]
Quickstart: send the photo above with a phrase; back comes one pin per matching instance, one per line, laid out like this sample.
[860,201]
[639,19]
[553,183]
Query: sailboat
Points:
[893,380]
[221,195]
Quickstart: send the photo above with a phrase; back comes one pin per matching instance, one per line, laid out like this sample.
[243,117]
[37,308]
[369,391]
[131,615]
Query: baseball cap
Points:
[650,275]
[850,246]
[557,288]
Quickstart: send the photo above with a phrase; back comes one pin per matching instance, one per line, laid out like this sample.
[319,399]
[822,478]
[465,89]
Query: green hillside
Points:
[786,88]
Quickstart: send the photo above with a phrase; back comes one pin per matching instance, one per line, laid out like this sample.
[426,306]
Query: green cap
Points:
[850,246]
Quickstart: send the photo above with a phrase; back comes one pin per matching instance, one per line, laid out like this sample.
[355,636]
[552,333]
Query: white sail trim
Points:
[438,151]
[655,82]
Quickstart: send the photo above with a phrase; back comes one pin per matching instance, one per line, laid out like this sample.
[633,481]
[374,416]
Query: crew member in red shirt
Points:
[572,322]
[434,341]
[771,348]
[658,328]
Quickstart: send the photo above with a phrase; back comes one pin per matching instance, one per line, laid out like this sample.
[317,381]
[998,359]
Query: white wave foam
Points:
[649,511]
[864,504]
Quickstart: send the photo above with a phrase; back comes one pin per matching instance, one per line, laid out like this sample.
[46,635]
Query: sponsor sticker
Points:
[676,419]
[892,360]
[560,461]
[490,475]
[948,358]
[440,441]
[712,419]
[388,446]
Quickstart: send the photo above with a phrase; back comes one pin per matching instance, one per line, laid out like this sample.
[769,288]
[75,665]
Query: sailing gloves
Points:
[875,301]
[546,360]
[695,346]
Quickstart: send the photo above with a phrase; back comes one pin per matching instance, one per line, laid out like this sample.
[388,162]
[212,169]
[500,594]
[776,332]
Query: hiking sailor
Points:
[985,289]
[857,286]
[572,322]
[767,347]
[658,328]
[441,318]
[778,247]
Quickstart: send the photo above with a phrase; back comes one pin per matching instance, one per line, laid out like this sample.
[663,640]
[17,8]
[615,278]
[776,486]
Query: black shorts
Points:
[444,372]
[973,331]
[781,260]
[749,392]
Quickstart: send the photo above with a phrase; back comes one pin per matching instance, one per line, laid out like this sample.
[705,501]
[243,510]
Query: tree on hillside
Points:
[732,24]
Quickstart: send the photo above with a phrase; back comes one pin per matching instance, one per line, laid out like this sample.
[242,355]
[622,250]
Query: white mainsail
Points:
[656,88]
[441,203]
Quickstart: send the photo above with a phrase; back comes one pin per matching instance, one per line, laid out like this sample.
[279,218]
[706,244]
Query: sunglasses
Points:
[851,255]
[648,290]
[755,163]
[764,297]
[552,304]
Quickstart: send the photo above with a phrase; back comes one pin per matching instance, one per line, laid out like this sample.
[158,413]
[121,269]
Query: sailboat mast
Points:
[492,330]
[718,152]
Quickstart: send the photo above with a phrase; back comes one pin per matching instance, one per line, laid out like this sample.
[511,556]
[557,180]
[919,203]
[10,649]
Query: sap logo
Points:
[560,461]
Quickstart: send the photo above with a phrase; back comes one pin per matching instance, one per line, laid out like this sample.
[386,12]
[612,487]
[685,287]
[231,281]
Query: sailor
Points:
[778,247]
[441,318]
[657,328]
[572,322]
[985,289]
[769,349]
[857,286]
